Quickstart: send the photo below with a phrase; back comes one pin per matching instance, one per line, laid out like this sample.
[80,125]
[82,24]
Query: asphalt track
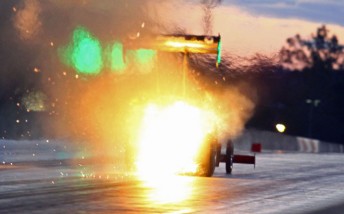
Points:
[280,183]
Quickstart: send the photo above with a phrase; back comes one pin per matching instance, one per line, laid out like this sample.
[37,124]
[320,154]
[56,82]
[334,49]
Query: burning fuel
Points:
[170,138]
[123,116]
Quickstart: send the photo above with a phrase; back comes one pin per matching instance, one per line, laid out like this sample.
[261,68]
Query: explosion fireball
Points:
[124,112]
[171,137]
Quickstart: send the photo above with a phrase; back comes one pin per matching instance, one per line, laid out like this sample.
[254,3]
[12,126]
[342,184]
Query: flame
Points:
[170,139]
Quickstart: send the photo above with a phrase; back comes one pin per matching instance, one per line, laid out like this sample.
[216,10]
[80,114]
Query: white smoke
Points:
[27,20]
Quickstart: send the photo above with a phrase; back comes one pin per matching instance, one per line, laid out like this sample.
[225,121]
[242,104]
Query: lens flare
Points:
[170,139]
[84,53]
[117,58]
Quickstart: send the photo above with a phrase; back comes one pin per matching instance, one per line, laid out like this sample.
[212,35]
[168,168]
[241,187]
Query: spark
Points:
[36,70]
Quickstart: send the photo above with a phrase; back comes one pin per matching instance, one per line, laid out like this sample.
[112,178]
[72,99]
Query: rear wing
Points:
[182,43]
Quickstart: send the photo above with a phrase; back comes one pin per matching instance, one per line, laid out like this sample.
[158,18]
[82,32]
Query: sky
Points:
[250,26]
[246,26]
[327,11]
[32,28]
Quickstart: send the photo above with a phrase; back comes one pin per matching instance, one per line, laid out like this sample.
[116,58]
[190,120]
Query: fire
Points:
[170,138]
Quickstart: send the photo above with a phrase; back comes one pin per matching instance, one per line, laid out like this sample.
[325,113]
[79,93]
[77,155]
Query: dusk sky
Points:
[247,26]
[250,26]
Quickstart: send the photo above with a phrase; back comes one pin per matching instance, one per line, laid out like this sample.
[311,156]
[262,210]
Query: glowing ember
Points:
[171,138]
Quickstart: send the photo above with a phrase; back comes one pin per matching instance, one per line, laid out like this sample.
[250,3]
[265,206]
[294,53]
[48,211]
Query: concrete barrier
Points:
[308,145]
[276,141]
[30,150]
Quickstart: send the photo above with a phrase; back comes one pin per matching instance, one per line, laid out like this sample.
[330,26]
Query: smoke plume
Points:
[27,20]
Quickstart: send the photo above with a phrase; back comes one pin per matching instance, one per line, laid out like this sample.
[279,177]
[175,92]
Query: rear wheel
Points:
[209,161]
[229,157]
[212,162]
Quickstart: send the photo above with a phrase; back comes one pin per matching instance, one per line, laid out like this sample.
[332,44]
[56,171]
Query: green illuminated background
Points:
[86,55]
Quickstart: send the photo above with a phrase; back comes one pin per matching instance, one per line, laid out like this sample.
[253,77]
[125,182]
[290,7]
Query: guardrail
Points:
[277,141]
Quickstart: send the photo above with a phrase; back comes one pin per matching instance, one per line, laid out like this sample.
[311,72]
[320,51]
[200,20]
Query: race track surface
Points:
[280,183]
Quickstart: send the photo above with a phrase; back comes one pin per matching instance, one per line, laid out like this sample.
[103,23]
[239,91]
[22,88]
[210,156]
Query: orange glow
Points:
[184,44]
[170,139]
[170,189]
[243,33]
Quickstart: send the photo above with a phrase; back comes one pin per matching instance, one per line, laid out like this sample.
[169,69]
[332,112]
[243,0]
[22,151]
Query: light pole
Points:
[312,103]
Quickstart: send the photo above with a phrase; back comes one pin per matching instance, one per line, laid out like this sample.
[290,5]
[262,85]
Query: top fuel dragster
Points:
[210,154]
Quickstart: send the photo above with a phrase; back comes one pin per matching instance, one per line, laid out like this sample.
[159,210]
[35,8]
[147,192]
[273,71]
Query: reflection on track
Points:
[281,183]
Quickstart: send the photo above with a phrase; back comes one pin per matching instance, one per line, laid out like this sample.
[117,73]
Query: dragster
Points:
[210,155]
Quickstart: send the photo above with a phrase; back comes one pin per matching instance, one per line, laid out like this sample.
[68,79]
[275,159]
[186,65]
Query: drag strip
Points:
[280,183]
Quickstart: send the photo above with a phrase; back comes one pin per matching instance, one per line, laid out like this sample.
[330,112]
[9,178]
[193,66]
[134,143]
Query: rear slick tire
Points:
[209,164]
[229,164]
[229,157]
[212,163]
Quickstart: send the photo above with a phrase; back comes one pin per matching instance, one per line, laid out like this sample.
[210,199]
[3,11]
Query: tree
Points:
[321,53]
